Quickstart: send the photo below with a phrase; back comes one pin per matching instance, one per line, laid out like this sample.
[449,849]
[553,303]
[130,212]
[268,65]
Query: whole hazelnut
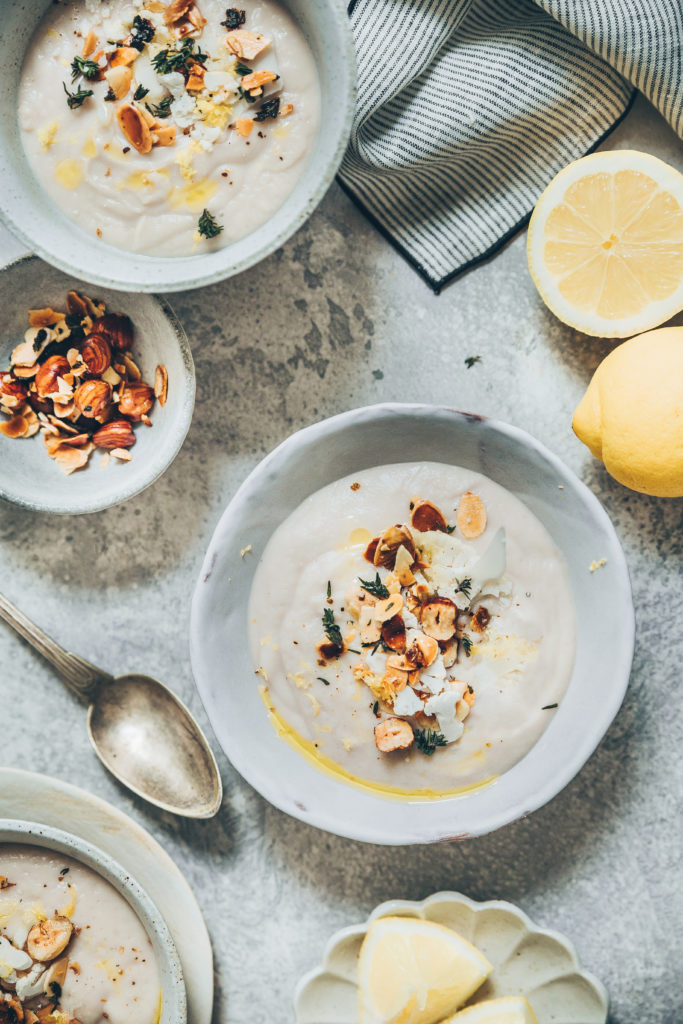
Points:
[93,399]
[117,328]
[46,378]
[136,399]
[115,434]
[96,354]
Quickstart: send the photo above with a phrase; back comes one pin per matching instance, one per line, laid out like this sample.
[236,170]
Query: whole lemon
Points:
[631,416]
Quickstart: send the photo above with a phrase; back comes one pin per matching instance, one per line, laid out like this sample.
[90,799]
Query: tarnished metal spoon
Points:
[139,730]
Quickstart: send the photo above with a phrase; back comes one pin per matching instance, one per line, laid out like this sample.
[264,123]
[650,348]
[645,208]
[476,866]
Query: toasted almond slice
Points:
[256,79]
[423,651]
[15,427]
[132,367]
[369,628]
[47,939]
[61,425]
[44,317]
[177,10]
[285,110]
[135,128]
[71,459]
[426,516]
[471,516]
[244,126]
[111,376]
[393,681]
[161,384]
[394,633]
[76,304]
[76,440]
[389,607]
[32,422]
[195,17]
[437,617]
[393,734]
[25,372]
[399,663]
[449,652]
[119,79]
[122,454]
[389,543]
[164,135]
[402,567]
[245,44]
[123,55]
[89,43]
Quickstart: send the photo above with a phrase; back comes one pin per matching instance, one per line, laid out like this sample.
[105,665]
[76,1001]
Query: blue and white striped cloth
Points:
[467,109]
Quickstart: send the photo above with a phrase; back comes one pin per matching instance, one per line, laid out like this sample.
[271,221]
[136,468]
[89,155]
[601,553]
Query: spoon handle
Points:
[78,674]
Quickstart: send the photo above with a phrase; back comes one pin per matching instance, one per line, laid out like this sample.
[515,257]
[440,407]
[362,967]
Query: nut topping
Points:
[161,384]
[48,374]
[96,354]
[116,434]
[49,938]
[426,516]
[134,126]
[393,734]
[117,328]
[437,617]
[135,399]
[389,543]
[471,516]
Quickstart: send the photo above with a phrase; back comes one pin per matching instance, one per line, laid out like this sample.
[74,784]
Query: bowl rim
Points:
[524,804]
[166,280]
[18,831]
[185,419]
[417,908]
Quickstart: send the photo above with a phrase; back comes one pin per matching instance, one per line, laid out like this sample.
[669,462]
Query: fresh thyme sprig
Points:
[332,630]
[75,99]
[88,68]
[178,59]
[374,587]
[428,740]
[471,360]
[464,587]
[140,93]
[466,645]
[208,225]
[162,109]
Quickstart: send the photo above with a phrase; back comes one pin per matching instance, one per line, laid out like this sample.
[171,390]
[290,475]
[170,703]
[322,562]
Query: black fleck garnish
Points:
[466,645]
[64,871]
[451,529]
[142,32]
[471,360]
[39,339]
[464,587]
[325,681]
[88,68]
[55,994]
[332,630]
[269,109]
[162,109]
[110,95]
[428,740]
[549,707]
[140,93]
[208,226]
[374,587]
[75,99]
[353,650]
[234,18]
[375,708]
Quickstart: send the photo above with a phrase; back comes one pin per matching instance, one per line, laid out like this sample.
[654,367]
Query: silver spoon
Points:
[139,730]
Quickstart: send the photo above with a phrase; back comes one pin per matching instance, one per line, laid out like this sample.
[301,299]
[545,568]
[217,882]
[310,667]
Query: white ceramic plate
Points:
[28,796]
[29,476]
[357,440]
[533,962]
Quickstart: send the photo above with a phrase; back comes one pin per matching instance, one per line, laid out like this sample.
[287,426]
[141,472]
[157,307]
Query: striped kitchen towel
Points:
[467,108]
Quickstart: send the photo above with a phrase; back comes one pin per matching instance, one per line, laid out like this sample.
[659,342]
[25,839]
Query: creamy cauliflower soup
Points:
[164,126]
[414,628]
[72,951]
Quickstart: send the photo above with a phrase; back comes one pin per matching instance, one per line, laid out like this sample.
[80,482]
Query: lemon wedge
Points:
[415,972]
[511,1010]
[605,243]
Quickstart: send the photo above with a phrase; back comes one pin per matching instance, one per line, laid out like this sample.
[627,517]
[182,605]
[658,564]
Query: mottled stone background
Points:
[333,320]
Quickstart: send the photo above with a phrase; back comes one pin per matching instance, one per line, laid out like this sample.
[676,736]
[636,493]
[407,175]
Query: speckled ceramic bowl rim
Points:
[412,908]
[174,1008]
[374,830]
[182,426]
[326,175]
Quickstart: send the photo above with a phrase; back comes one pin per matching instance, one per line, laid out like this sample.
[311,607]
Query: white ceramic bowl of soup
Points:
[376,436]
[40,223]
[43,839]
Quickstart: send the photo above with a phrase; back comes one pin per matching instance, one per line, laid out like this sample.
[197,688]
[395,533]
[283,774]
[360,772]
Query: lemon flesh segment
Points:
[510,1010]
[631,416]
[605,243]
[415,972]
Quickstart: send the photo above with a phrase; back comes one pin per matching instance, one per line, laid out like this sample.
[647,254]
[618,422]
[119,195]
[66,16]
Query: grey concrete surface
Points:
[334,320]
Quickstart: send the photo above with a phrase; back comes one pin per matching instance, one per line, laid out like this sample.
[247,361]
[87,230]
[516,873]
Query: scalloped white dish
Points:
[528,961]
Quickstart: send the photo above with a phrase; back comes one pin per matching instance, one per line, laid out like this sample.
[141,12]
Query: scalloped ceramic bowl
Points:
[29,477]
[533,962]
[174,1008]
[37,221]
[328,451]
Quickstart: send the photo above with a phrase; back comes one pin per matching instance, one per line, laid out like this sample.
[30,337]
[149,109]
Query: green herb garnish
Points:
[75,99]
[80,66]
[374,587]
[208,226]
[140,93]
[329,589]
[242,69]
[325,681]
[142,32]
[162,109]
[375,707]
[234,18]
[269,109]
[428,740]
[549,707]
[379,643]
[464,587]
[332,630]
[466,645]
[471,360]
[179,59]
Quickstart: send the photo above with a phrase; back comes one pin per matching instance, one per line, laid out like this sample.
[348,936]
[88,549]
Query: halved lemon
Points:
[412,971]
[511,1010]
[605,243]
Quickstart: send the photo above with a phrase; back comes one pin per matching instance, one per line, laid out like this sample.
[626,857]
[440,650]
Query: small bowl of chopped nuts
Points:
[96,393]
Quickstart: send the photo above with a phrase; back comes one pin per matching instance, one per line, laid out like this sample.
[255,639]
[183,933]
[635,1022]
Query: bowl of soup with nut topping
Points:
[395,629]
[179,140]
[79,940]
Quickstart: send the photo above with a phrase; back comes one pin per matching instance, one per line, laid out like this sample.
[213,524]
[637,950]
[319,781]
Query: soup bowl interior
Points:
[29,476]
[357,440]
[34,218]
[25,833]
